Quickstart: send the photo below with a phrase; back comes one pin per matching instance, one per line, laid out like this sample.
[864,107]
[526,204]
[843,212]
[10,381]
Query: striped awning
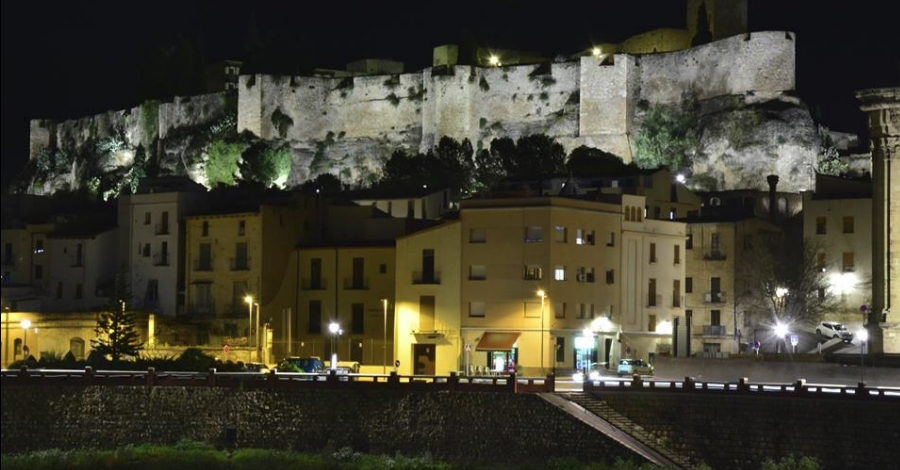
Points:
[497,341]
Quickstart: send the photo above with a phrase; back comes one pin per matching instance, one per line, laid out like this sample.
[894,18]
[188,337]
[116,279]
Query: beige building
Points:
[232,255]
[837,217]
[713,323]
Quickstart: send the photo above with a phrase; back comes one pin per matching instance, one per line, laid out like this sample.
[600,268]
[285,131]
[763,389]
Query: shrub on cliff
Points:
[666,137]
[222,162]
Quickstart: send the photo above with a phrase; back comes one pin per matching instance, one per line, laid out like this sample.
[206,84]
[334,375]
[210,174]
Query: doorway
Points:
[423,359]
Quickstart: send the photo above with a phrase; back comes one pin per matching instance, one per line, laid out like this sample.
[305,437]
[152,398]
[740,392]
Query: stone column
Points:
[882,105]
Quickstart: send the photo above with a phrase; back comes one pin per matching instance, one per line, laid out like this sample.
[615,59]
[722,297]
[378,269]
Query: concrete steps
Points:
[606,413]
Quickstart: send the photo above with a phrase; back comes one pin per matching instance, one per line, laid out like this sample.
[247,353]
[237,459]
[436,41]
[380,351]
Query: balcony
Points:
[654,300]
[356,283]
[313,283]
[161,259]
[239,264]
[203,264]
[713,330]
[714,255]
[714,297]
[200,311]
[161,229]
[426,277]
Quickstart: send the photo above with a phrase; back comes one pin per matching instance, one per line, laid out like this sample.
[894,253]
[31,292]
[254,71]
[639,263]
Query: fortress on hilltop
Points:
[348,125]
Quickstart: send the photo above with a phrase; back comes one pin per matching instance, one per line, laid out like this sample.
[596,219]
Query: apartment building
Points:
[151,224]
[714,323]
[837,218]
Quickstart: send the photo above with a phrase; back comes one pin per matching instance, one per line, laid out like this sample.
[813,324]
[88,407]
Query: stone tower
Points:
[725,17]
[882,105]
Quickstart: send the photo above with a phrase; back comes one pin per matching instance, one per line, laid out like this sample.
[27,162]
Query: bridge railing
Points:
[799,388]
[509,383]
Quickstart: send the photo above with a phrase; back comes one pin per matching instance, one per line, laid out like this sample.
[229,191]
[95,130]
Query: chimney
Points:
[773,209]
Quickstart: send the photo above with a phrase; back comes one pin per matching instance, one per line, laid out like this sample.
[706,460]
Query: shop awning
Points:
[497,341]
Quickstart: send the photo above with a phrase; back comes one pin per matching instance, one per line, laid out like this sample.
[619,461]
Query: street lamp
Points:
[335,330]
[863,336]
[543,295]
[249,300]
[780,331]
[25,324]
[384,340]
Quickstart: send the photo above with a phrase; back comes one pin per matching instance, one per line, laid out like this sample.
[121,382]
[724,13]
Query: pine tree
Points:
[117,336]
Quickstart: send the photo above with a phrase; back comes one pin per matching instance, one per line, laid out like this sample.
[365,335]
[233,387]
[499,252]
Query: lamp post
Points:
[249,300]
[384,340]
[863,336]
[543,295]
[25,324]
[335,329]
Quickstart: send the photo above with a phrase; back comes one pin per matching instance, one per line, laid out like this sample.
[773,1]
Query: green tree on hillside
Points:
[589,161]
[117,336]
[666,138]
[263,163]
[222,162]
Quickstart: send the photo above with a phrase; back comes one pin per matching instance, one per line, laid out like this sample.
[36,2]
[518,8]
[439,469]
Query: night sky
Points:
[69,59]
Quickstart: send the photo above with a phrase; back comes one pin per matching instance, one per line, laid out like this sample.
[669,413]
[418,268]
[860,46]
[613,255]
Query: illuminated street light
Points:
[25,324]
[863,336]
[249,300]
[335,330]
[542,295]
[595,51]
[494,61]
[384,341]
[781,331]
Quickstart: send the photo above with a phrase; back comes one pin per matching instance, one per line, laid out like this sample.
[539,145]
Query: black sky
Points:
[69,59]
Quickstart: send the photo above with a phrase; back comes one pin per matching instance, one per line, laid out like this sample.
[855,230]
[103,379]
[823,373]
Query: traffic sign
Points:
[795,340]
[226,349]
[468,347]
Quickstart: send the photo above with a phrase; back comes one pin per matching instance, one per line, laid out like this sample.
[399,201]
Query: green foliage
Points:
[226,127]
[829,160]
[666,138]
[265,164]
[282,122]
[448,165]
[150,118]
[483,84]
[117,336]
[791,463]
[588,161]
[222,162]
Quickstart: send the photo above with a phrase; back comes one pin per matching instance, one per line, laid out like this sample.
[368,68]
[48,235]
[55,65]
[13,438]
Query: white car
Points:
[830,330]
[628,367]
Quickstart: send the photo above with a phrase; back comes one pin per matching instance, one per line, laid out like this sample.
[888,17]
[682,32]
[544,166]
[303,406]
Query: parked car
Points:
[631,366]
[830,330]
[301,364]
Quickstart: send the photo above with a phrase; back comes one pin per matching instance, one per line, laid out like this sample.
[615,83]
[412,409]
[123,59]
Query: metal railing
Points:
[426,277]
[714,297]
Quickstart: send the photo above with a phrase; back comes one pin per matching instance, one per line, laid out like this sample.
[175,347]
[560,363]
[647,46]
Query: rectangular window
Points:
[146,250]
[238,292]
[242,228]
[152,294]
[560,349]
[79,291]
[651,322]
[847,264]
[146,218]
[533,272]
[715,242]
[715,317]
[559,234]
[534,234]
[820,261]
[358,280]
[241,260]
[38,272]
[677,254]
[611,239]
[585,311]
[204,263]
[39,245]
[820,225]
[476,309]
[611,276]
[652,301]
[559,310]
[559,273]
[205,229]
[848,224]
[358,312]
[689,242]
[315,316]
[652,252]
[163,227]
[382,268]
[477,235]
[688,285]
[477,272]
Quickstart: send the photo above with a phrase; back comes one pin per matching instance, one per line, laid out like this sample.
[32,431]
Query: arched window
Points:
[76,347]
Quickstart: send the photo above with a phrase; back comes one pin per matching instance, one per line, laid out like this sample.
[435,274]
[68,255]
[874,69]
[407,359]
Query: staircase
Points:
[602,410]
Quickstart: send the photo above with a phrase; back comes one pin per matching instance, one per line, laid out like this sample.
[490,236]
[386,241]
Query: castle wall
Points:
[606,107]
[186,111]
[762,62]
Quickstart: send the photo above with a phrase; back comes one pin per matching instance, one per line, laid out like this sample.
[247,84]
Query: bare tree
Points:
[781,283]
